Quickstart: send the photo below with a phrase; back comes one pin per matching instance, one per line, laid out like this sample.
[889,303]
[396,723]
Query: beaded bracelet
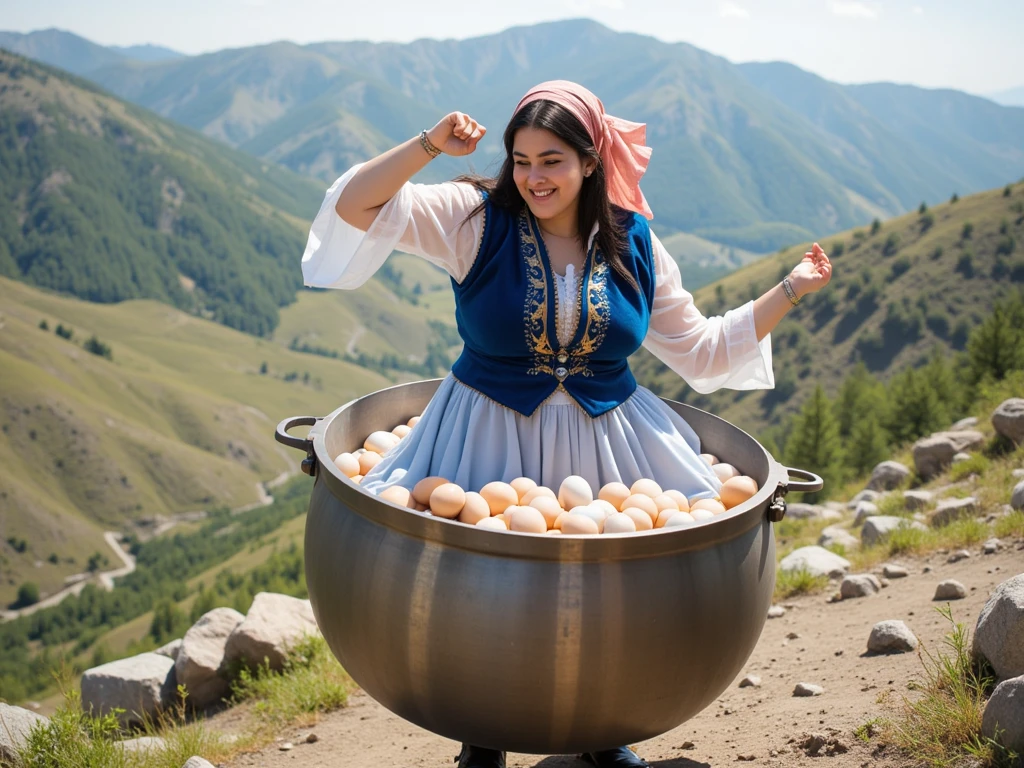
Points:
[428,146]
[788,288]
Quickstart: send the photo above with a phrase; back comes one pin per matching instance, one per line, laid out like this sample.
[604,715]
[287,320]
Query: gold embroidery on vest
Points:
[535,313]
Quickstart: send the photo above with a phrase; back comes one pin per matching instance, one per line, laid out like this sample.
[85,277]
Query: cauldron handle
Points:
[777,508]
[301,443]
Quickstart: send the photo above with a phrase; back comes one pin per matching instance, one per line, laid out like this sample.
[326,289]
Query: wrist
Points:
[792,292]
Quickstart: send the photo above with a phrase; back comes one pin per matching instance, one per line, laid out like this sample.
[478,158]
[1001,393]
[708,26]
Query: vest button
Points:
[562,357]
[561,373]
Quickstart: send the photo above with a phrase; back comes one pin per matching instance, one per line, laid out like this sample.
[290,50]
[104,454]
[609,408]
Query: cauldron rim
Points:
[567,547]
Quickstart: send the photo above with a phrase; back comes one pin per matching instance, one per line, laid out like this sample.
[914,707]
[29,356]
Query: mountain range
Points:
[752,156]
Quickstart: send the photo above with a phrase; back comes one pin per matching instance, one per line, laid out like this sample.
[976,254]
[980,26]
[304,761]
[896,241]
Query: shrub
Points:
[97,347]
[954,198]
[1007,190]
[28,594]
[965,265]
[837,249]
[43,325]
[967,231]
[927,221]
[901,265]
[64,333]
[938,323]
[923,209]
[1006,245]
[892,244]
[937,253]
[801,582]
[875,226]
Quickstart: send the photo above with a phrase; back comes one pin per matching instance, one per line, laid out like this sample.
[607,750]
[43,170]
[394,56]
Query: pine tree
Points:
[915,408]
[996,347]
[868,444]
[861,392]
[814,442]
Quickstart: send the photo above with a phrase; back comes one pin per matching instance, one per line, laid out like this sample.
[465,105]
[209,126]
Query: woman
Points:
[557,280]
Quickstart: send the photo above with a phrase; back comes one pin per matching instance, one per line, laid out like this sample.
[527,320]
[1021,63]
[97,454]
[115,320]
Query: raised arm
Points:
[378,180]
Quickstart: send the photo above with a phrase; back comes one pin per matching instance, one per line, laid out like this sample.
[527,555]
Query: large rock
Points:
[891,637]
[948,510]
[880,527]
[1008,419]
[964,439]
[835,535]
[15,725]
[933,454]
[800,511]
[170,650]
[999,634]
[272,626]
[915,500]
[817,561]
[1004,714]
[950,589]
[1017,497]
[965,423]
[860,585]
[865,495]
[200,662]
[140,685]
[887,475]
[863,511]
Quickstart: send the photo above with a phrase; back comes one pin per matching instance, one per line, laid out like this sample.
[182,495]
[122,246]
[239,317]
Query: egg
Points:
[401,431]
[701,514]
[725,471]
[664,501]
[522,486]
[396,494]
[554,532]
[357,479]
[499,496]
[527,520]
[492,523]
[558,521]
[711,505]
[347,464]
[678,519]
[475,509]
[420,507]
[679,499]
[640,519]
[380,442]
[710,459]
[619,523]
[605,506]
[736,490]
[614,494]
[547,506]
[574,492]
[597,515]
[367,461]
[646,503]
[422,490]
[663,517]
[578,524]
[413,422]
[646,487]
[447,500]
[533,493]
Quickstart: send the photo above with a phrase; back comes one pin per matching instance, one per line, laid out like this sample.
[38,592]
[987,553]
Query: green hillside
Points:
[899,289]
[180,418]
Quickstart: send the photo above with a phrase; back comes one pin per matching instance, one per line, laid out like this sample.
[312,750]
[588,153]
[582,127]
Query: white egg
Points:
[597,515]
[380,442]
[678,519]
[574,492]
[493,524]
[699,514]
[619,523]
[608,508]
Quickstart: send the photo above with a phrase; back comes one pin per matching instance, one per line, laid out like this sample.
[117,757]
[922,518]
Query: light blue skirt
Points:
[471,440]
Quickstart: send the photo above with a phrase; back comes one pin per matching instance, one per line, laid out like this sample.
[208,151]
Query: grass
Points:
[1010,526]
[976,465]
[801,582]
[940,725]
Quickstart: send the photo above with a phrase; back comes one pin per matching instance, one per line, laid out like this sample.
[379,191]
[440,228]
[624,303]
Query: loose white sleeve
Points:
[427,220]
[708,352]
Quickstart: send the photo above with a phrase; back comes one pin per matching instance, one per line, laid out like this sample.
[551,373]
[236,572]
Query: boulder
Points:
[965,423]
[877,529]
[15,725]
[817,561]
[863,511]
[200,662]
[950,589]
[140,685]
[273,624]
[948,510]
[887,475]
[915,500]
[1008,419]
[893,571]
[991,546]
[891,637]
[170,650]
[957,555]
[859,585]
[800,511]
[1004,714]
[1017,497]
[865,495]
[932,455]
[834,535]
[999,633]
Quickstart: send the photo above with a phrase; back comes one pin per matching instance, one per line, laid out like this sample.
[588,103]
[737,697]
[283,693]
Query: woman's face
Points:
[549,174]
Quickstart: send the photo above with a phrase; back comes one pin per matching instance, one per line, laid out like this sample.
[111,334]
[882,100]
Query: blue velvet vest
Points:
[505,310]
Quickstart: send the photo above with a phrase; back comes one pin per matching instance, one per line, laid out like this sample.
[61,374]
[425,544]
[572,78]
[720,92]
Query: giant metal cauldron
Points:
[533,643]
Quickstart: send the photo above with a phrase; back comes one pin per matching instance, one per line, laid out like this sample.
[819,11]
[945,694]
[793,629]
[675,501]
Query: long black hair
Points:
[592,203]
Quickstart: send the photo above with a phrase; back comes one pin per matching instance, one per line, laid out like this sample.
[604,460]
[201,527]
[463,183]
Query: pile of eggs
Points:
[524,506]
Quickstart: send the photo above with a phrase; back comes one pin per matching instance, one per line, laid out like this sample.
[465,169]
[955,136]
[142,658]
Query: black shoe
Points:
[620,757]
[478,757]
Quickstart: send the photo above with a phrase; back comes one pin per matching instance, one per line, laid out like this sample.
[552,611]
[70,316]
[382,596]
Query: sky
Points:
[970,45]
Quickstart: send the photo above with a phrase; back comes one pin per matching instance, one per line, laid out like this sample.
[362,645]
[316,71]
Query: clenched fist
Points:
[457,134]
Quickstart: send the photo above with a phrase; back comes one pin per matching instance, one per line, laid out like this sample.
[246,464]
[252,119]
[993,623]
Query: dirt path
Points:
[814,642]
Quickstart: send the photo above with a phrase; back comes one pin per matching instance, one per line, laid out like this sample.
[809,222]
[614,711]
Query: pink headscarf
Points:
[619,142]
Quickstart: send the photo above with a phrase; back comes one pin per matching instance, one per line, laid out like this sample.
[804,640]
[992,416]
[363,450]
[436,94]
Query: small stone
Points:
[687,745]
[893,571]
[859,585]
[1017,497]
[813,744]
[197,762]
[950,589]
[745,758]
[808,689]
[312,738]
[991,546]
[887,475]
[926,569]
[750,681]
[948,510]
[891,636]
[776,612]
[286,746]
[956,557]
[1018,472]
[960,457]
[915,500]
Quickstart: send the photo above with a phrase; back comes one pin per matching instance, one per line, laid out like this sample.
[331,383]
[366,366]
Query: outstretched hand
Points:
[812,273]
[457,134]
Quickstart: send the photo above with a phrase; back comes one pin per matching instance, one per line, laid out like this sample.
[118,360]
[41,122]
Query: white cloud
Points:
[733,11]
[854,9]
[918,9]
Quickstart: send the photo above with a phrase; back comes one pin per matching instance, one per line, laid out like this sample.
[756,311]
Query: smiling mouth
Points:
[541,194]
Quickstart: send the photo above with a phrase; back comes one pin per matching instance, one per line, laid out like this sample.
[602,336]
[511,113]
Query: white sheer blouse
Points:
[429,220]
